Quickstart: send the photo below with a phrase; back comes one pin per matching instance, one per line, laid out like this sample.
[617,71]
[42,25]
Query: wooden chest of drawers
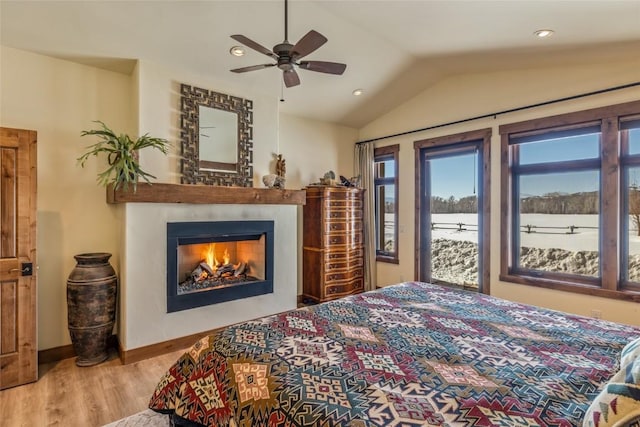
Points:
[333,253]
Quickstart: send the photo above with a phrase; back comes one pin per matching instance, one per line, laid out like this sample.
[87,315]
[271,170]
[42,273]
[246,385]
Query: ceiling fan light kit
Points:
[287,56]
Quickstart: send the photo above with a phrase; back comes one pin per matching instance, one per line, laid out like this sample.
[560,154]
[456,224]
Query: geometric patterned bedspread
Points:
[413,354]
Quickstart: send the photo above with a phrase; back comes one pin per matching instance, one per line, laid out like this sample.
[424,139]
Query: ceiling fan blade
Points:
[307,44]
[252,68]
[323,67]
[291,78]
[253,45]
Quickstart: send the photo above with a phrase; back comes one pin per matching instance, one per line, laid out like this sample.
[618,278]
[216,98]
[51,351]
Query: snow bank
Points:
[455,261]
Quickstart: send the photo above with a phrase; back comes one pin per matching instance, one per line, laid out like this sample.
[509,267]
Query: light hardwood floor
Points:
[66,395]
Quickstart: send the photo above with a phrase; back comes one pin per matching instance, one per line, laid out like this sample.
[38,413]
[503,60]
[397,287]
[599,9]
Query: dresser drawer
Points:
[344,264]
[329,278]
[343,215]
[350,239]
[342,255]
[346,203]
[342,289]
[342,226]
[336,239]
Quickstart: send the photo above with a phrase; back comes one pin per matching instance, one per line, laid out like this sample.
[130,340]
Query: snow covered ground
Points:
[553,249]
[545,238]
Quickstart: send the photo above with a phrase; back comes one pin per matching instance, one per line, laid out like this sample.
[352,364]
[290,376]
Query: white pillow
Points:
[618,404]
[630,352]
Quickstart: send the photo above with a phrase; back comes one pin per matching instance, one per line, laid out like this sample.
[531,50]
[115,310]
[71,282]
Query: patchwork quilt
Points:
[413,354]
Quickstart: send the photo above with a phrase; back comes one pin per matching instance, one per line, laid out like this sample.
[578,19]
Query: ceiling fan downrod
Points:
[283,50]
[286,21]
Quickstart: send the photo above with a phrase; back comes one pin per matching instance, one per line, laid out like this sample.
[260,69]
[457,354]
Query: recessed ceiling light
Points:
[358,92]
[236,51]
[543,33]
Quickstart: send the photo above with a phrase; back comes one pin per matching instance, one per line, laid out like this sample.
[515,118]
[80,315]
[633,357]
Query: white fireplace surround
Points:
[143,319]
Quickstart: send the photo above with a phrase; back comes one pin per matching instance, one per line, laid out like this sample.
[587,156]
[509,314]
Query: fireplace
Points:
[217,261]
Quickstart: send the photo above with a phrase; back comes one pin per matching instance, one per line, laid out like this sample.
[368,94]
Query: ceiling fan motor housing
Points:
[283,50]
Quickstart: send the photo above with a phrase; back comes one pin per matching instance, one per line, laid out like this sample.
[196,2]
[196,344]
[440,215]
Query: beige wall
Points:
[303,142]
[59,99]
[312,148]
[464,96]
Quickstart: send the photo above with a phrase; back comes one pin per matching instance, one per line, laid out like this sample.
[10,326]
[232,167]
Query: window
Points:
[571,202]
[630,158]
[386,195]
[453,216]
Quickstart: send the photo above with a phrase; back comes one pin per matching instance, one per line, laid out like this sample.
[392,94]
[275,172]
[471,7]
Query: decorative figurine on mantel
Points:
[276,180]
[281,167]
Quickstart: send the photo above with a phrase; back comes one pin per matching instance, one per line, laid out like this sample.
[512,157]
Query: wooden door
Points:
[18,340]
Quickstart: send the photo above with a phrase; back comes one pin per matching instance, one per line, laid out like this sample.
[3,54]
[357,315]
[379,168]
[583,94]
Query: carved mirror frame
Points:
[191,98]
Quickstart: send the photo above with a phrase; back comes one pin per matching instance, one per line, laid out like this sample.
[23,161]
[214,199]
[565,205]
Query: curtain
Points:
[364,161]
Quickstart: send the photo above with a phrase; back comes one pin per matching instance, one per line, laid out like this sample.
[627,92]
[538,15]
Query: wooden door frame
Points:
[484,137]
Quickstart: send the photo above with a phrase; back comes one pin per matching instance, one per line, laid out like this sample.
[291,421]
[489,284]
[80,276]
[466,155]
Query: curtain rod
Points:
[497,113]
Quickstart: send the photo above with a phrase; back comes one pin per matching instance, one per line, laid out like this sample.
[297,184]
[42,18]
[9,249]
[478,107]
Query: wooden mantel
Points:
[205,194]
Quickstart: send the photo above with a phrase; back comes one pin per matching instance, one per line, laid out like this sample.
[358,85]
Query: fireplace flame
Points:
[210,269]
[210,256]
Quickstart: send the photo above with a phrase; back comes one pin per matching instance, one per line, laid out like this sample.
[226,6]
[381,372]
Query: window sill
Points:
[626,295]
[387,259]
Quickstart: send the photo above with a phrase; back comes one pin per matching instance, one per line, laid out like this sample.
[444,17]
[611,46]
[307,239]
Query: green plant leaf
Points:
[121,154]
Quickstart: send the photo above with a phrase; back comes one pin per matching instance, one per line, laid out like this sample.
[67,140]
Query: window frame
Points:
[484,205]
[611,249]
[627,161]
[389,152]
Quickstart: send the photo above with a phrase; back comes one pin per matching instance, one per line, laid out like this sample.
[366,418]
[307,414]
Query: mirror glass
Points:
[216,136]
[218,139]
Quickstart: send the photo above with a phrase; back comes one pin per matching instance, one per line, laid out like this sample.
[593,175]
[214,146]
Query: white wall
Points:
[59,99]
[464,96]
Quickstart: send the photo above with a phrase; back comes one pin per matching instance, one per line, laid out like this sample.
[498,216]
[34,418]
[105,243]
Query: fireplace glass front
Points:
[218,261]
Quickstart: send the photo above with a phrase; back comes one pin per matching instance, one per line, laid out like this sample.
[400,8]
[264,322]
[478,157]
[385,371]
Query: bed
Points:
[412,354]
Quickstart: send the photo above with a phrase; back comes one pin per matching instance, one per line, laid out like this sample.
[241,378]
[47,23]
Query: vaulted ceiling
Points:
[393,49]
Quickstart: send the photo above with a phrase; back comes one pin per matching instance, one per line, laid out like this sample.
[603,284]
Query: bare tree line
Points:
[551,203]
[468,204]
[584,203]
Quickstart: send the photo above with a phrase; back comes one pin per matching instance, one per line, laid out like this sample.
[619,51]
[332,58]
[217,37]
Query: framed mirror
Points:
[216,137]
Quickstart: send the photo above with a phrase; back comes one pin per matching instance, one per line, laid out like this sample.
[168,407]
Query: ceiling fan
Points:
[288,56]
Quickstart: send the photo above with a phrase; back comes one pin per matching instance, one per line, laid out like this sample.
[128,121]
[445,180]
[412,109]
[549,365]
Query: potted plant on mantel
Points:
[92,284]
[122,155]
